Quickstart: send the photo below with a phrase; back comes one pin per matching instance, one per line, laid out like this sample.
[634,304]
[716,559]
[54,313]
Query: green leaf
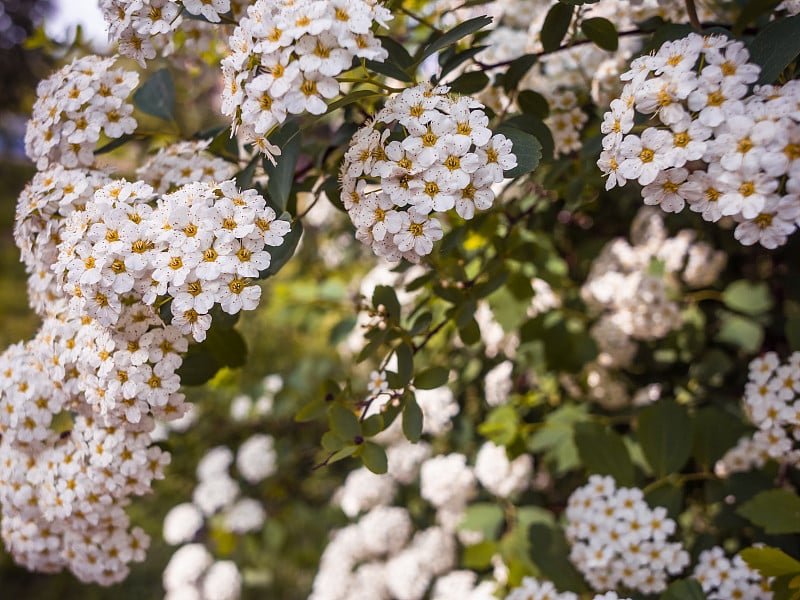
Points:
[668,496]
[412,419]
[486,517]
[748,297]
[227,346]
[770,562]
[775,47]
[555,26]
[341,330]
[397,52]
[537,128]
[389,69]
[280,255]
[374,457]
[777,511]
[281,174]
[451,37]
[602,32]
[684,589]
[549,550]
[470,333]
[602,451]
[751,11]
[343,422]
[526,148]
[372,425]
[716,431]
[156,96]
[533,103]
[665,435]
[244,178]
[346,452]
[386,296]
[352,98]
[421,323]
[471,82]
[457,58]
[331,442]
[431,378]
[114,144]
[311,411]
[501,426]
[517,70]
[479,556]
[198,367]
[405,363]
[740,331]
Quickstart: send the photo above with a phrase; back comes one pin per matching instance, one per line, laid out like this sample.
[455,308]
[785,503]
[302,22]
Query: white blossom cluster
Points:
[244,407]
[216,503]
[200,245]
[41,213]
[372,558]
[218,492]
[723,578]
[74,107]
[710,143]
[79,401]
[66,472]
[141,27]
[377,558]
[498,474]
[618,540]
[442,157]
[182,163]
[772,404]
[532,589]
[285,57]
[193,573]
[630,283]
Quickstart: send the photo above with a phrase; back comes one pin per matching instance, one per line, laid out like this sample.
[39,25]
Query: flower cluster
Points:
[425,152]
[142,25]
[182,163]
[217,493]
[532,589]
[723,578]
[377,557]
[200,246]
[714,146]
[617,539]
[285,57]
[62,503]
[631,284]
[83,395]
[74,106]
[193,573]
[42,208]
[772,404]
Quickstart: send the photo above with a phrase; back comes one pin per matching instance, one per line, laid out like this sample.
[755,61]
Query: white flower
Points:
[670,190]
[256,458]
[182,523]
[222,581]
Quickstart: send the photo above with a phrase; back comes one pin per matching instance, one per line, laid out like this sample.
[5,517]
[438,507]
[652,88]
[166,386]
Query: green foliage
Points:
[770,562]
[556,24]
[156,96]
[665,435]
[603,451]
[777,511]
[775,47]
[602,32]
